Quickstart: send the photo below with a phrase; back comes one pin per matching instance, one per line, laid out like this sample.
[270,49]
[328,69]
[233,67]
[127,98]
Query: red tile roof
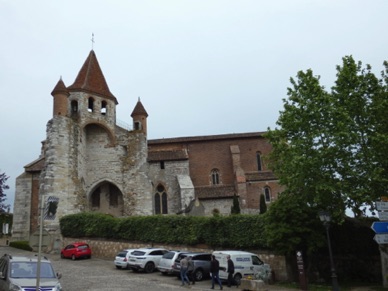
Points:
[91,79]
[60,88]
[139,109]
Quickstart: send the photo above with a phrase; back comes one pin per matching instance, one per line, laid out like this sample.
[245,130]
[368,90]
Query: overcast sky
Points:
[200,67]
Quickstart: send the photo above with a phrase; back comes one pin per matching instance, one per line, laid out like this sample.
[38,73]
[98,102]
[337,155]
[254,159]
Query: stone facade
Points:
[90,163]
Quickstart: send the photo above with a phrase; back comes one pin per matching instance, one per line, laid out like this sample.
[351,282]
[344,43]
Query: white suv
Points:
[19,273]
[145,259]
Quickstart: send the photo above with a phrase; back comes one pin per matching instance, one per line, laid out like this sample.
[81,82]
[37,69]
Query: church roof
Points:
[139,109]
[91,79]
[60,88]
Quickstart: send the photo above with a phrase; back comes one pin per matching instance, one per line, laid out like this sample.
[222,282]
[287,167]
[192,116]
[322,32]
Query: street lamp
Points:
[325,217]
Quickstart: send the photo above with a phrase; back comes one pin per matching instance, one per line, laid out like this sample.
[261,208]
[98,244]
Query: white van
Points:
[245,264]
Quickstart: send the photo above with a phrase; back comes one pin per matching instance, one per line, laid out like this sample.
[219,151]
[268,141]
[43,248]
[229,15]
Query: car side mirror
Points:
[59,275]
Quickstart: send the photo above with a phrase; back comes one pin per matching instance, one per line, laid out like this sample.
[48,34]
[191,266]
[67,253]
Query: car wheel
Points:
[237,279]
[198,274]
[118,267]
[73,257]
[149,267]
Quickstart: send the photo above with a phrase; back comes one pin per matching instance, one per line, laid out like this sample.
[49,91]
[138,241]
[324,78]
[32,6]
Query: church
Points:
[88,162]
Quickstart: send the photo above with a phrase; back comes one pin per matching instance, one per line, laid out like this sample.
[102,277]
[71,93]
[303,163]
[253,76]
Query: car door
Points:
[69,250]
[258,265]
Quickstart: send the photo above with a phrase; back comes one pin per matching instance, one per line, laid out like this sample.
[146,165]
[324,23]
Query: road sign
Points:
[380,226]
[383,215]
[381,205]
[381,238]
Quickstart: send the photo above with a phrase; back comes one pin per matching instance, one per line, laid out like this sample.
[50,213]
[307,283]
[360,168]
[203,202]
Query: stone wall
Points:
[108,249]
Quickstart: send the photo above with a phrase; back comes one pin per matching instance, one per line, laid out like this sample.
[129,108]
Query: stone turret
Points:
[60,94]
[139,116]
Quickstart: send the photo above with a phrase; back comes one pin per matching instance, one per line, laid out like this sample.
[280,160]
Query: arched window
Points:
[90,104]
[267,194]
[96,198]
[215,175]
[103,107]
[160,199]
[259,162]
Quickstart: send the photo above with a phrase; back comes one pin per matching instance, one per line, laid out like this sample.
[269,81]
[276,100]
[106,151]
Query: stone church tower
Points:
[88,162]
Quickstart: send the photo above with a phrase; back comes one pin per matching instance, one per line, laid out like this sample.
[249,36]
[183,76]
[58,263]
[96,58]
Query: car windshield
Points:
[121,254]
[83,247]
[168,255]
[29,270]
[138,253]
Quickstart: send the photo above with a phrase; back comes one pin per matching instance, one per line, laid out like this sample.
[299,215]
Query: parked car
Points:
[76,250]
[19,273]
[121,259]
[145,259]
[167,261]
[201,265]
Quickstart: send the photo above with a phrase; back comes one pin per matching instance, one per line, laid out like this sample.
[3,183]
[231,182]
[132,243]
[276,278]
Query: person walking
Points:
[184,266]
[214,270]
[190,270]
[230,271]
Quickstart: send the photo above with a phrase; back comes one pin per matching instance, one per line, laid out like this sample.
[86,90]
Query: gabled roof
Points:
[91,79]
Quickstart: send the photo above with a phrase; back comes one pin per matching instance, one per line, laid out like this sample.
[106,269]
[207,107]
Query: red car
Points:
[76,250]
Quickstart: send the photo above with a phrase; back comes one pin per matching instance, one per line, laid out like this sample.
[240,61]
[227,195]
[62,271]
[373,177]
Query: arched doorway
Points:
[107,198]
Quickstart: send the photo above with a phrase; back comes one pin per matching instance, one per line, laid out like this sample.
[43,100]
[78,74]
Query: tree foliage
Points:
[3,187]
[330,147]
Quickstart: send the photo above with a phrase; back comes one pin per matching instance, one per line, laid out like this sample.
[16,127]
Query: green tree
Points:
[3,187]
[329,147]
[263,205]
[291,225]
[235,208]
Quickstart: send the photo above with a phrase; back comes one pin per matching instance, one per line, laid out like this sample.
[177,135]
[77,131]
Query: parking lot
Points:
[98,274]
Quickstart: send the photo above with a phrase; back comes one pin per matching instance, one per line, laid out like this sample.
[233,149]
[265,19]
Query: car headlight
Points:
[58,287]
[13,287]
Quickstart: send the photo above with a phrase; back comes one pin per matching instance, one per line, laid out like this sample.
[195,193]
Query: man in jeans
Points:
[230,271]
[215,269]
[190,270]
[184,267]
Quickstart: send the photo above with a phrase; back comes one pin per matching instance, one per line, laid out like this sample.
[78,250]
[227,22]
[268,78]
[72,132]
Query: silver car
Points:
[121,259]
[20,273]
[201,265]
[167,261]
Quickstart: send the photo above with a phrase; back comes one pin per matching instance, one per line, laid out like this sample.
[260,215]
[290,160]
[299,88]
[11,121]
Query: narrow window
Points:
[103,107]
[90,104]
[267,194]
[162,165]
[160,198]
[137,125]
[259,163]
[157,203]
[74,107]
[215,177]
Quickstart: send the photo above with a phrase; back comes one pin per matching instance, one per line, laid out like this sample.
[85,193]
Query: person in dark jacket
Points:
[214,270]
[230,271]
[190,270]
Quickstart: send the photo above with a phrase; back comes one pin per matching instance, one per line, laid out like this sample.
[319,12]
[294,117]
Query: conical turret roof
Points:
[91,79]
[60,88]
[139,109]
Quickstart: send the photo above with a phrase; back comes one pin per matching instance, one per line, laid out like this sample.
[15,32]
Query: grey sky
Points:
[200,67]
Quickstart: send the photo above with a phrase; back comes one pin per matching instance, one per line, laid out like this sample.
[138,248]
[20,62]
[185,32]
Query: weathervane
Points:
[92,40]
